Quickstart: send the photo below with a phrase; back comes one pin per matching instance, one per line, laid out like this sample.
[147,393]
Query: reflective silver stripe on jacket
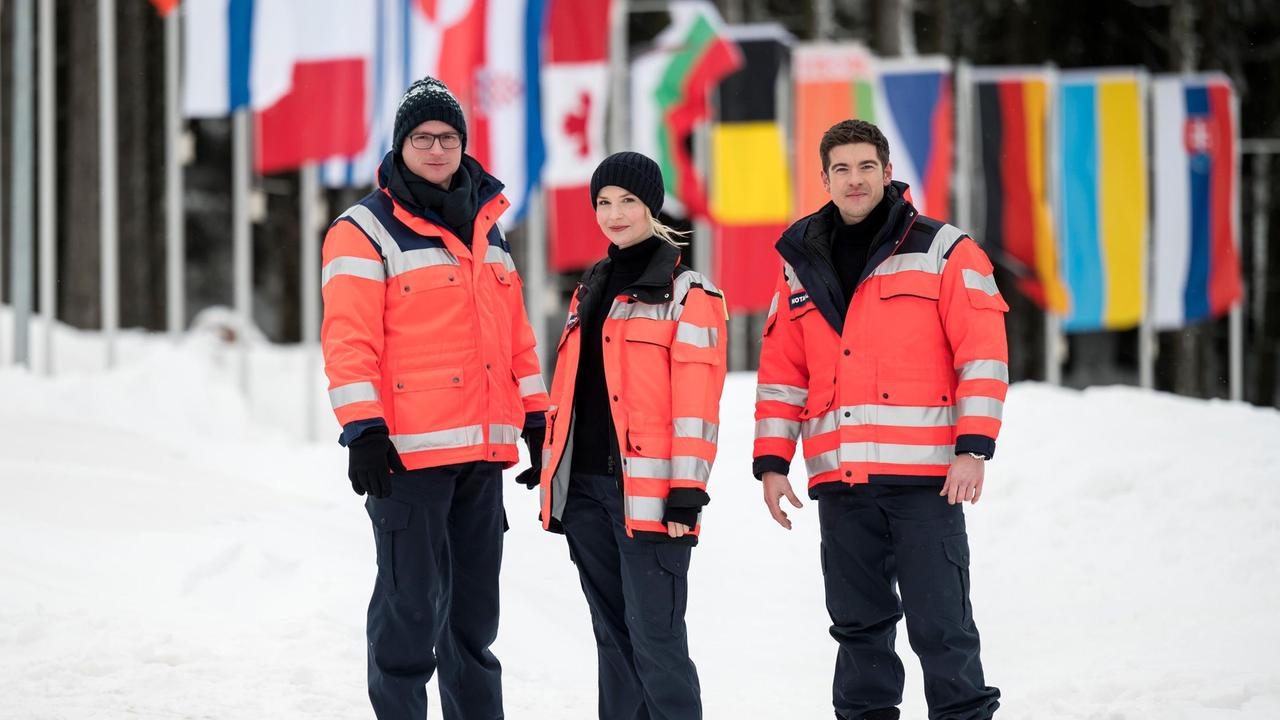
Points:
[353,267]
[932,260]
[397,261]
[532,385]
[697,336]
[984,370]
[975,280]
[777,428]
[789,394]
[503,434]
[641,507]
[497,255]
[889,415]
[793,282]
[680,467]
[773,305]
[979,406]
[694,427]
[888,453]
[440,439]
[353,393]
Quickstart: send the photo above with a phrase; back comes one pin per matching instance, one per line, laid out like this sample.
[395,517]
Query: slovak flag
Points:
[575,81]
[1197,194]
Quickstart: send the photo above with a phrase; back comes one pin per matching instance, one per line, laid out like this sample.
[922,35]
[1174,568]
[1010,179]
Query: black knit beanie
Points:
[427,99]
[634,173]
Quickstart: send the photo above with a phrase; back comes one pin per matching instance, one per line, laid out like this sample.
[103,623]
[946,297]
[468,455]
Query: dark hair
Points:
[847,132]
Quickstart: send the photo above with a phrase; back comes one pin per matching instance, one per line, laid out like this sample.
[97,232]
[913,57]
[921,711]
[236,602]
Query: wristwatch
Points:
[977,456]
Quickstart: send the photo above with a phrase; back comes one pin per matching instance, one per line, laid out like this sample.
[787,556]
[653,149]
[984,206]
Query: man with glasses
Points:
[433,375]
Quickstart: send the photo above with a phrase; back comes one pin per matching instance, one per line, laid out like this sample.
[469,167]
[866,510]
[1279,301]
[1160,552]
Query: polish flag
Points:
[323,115]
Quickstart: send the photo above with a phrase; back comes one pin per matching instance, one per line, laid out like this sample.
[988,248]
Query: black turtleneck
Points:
[594,445]
[851,245]
[457,206]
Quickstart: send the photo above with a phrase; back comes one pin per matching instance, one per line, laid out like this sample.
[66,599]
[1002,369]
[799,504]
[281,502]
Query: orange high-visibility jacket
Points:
[664,365]
[427,336]
[891,388]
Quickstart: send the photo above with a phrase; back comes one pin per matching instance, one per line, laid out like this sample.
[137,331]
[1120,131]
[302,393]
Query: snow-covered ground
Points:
[169,549]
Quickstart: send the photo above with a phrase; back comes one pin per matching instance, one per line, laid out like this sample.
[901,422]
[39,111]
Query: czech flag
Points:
[1197,194]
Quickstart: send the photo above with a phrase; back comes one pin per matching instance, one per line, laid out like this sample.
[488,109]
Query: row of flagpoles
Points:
[1057,173]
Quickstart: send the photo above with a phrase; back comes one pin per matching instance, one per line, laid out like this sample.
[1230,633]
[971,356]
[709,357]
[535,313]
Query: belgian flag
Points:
[750,175]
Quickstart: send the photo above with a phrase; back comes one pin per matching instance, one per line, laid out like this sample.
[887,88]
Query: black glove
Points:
[371,460]
[533,439]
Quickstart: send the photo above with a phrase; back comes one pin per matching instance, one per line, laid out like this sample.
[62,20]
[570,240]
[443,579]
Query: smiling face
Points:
[436,164]
[856,180]
[621,216]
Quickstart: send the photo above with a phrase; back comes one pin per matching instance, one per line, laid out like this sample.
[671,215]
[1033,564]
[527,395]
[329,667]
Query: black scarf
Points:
[457,206]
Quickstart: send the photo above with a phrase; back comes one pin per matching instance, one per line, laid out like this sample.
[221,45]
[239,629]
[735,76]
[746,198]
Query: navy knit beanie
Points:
[427,99]
[634,173]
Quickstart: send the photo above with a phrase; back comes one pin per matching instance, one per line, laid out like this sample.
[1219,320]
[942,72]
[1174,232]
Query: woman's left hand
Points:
[675,529]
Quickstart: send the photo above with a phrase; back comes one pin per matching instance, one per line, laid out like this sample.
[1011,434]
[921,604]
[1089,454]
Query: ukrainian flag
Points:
[1103,197]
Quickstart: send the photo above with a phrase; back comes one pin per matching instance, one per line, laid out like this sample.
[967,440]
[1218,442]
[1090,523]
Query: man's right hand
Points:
[370,462]
[776,485]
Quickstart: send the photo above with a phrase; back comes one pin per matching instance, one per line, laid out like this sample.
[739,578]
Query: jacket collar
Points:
[488,187]
[806,246]
[654,285]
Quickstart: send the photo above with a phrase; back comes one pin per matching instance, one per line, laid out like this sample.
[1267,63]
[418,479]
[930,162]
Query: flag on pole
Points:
[507,133]
[323,114]
[164,7]
[1197,193]
[1103,190]
[575,83]
[670,89]
[750,181]
[1013,189]
[219,40]
[911,101]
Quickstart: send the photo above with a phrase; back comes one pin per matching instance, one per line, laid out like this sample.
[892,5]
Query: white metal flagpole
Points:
[107,176]
[174,232]
[241,239]
[309,266]
[48,220]
[21,222]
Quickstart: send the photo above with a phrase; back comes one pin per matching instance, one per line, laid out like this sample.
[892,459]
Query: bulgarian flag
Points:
[669,96]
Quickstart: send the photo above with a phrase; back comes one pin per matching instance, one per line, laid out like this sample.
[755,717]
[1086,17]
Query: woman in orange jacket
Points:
[631,437]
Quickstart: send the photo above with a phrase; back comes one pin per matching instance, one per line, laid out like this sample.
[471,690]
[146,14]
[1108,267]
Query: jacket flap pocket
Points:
[911,282]
[650,444]
[501,273]
[389,515]
[919,385]
[429,380]
[430,278]
[657,332]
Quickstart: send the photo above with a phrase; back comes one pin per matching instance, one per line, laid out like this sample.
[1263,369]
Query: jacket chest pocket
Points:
[437,279]
[910,286]
[645,370]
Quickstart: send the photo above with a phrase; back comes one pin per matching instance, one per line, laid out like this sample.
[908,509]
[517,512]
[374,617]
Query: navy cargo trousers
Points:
[637,592]
[874,536]
[435,603]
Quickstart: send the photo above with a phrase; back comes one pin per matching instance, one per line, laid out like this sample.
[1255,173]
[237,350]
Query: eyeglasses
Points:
[425,141]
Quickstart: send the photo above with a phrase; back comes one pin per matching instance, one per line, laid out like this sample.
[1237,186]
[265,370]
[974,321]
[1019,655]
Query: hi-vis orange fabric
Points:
[428,336]
[917,372]
[664,364]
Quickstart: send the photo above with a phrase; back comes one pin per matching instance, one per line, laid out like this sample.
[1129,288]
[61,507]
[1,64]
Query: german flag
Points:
[1012,115]
[750,175]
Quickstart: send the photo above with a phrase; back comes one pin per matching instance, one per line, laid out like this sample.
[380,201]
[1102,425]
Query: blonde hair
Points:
[668,234]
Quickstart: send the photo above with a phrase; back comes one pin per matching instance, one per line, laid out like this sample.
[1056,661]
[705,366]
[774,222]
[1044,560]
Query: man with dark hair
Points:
[885,350]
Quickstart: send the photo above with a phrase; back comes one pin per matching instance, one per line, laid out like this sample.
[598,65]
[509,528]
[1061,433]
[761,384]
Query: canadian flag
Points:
[574,96]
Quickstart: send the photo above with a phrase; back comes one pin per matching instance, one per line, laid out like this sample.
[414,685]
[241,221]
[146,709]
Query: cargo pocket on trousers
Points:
[956,548]
[389,518]
[674,561]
